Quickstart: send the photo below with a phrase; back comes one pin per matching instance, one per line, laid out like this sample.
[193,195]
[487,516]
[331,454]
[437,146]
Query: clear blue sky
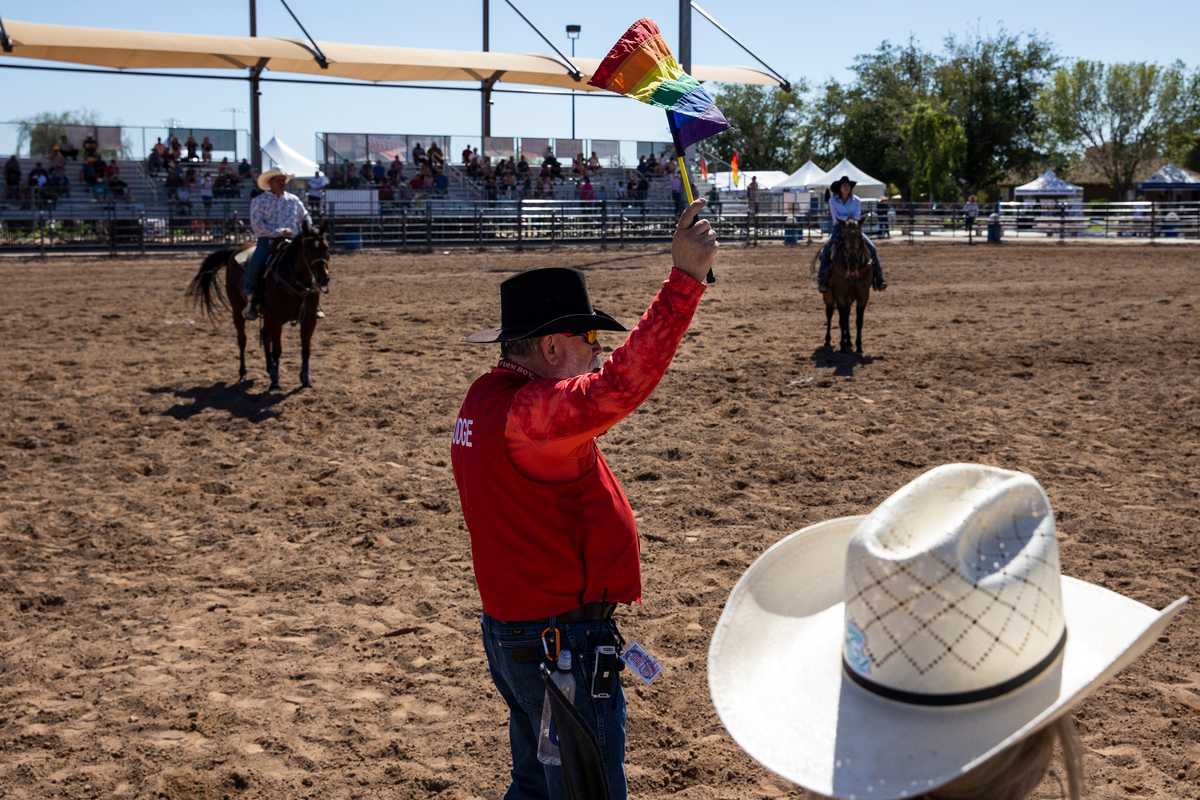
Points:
[794,37]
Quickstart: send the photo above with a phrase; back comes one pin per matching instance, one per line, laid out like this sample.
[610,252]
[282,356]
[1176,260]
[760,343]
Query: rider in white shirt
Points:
[274,214]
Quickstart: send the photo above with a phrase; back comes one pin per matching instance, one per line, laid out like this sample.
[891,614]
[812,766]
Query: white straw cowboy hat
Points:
[884,656]
[264,180]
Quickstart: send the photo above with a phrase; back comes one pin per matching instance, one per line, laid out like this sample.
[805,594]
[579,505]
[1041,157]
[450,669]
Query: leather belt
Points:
[588,612]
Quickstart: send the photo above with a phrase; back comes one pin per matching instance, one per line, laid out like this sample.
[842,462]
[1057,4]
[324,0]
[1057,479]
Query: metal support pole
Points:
[485,94]
[255,129]
[572,94]
[685,35]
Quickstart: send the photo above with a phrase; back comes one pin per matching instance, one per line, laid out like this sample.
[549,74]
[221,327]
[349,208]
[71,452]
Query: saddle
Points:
[276,261]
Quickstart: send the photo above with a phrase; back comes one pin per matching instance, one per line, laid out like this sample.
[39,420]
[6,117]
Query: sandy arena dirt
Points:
[209,592]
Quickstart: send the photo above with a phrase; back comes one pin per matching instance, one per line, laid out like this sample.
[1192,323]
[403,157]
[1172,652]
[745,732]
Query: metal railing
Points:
[428,224]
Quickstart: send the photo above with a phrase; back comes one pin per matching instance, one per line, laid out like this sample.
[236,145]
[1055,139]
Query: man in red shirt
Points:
[553,539]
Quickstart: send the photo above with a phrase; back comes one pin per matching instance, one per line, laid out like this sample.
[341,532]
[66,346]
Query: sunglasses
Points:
[591,337]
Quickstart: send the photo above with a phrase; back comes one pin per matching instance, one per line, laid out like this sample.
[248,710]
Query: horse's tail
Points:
[204,290]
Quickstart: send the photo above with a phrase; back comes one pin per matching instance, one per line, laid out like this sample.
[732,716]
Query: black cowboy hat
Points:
[836,186]
[544,301]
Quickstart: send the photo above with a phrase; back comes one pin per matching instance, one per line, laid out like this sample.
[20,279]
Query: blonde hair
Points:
[1014,773]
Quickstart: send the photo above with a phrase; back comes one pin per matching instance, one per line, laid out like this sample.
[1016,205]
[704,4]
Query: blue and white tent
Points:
[1048,184]
[1173,180]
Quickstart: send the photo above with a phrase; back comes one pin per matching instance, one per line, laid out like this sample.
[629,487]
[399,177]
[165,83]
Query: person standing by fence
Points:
[970,212]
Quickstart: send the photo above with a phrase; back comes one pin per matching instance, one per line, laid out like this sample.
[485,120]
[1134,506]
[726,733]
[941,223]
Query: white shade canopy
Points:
[123,49]
[1048,184]
[288,159]
[809,176]
[867,186]
[1170,176]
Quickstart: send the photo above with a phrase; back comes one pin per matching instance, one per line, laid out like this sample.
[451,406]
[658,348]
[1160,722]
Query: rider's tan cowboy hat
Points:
[886,655]
[835,187]
[264,180]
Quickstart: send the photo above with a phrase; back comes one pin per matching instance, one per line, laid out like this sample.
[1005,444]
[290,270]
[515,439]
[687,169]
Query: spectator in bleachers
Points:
[118,189]
[578,165]
[651,165]
[585,190]
[183,199]
[67,150]
[510,185]
[631,186]
[752,195]
[523,167]
[677,192]
[642,166]
[466,155]
[365,172]
[437,159]
[57,160]
[527,186]
[38,177]
[176,149]
[206,148]
[154,163]
[386,193]
[191,148]
[58,185]
[643,188]
[395,171]
[100,187]
[316,190]
[206,191]
[90,148]
[112,170]
[475,167]
[379,172]
[441,184]
[594,162]
[223,168]
[418,155]
[12,179]
[89,174]
[160,148]
[244,170]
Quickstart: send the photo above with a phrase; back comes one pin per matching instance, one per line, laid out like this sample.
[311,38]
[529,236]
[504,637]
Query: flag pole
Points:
[687,184]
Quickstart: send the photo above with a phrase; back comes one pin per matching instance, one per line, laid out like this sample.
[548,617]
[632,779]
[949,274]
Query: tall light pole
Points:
[573,32]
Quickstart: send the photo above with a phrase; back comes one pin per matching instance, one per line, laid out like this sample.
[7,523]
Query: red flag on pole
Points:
[703,170]
[733,168]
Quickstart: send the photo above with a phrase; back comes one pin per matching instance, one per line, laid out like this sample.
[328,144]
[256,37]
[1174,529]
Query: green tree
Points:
[1125,114]
[763,121]
[888,84]
[990,85]
[936,146]
[44,130]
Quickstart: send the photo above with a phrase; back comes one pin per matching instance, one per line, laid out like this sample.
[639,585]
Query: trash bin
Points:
[994,230]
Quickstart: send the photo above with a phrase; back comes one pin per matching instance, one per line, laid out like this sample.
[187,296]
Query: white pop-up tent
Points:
[808,177]
[288,159]
[1048,185]
[867,187]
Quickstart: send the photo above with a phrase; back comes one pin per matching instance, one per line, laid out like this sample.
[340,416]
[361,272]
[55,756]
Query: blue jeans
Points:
[255,264]
[514,652]
[827,255]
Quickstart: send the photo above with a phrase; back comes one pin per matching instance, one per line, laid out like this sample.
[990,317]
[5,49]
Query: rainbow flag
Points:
[733,168]
[640,65]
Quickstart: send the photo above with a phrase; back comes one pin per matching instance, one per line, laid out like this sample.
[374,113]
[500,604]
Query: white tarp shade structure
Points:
[1171,177]
[1048,184]
[767,179]
[121,49]
[808,177]
[288,159]
[868,187]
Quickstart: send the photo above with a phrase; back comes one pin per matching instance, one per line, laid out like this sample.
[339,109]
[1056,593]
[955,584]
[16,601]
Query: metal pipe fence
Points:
[425,225]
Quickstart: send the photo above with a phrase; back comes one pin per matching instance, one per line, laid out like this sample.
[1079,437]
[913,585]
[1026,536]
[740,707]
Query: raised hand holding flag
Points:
[640,65]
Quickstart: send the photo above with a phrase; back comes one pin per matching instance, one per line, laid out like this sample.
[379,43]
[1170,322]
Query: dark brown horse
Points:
[290,293]
[849,281]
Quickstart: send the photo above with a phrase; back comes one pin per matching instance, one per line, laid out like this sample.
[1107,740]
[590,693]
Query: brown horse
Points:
[849,280]
[290,293]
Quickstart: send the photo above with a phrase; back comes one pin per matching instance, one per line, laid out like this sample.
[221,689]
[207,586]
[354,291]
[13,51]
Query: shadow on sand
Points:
[842,364]
[234,399]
